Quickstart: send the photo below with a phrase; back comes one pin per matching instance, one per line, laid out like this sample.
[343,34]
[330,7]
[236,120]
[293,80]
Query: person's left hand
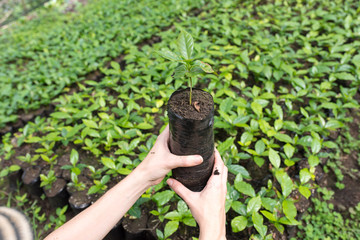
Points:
[160,160]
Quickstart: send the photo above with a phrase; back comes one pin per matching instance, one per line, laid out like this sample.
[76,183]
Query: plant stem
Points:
[190,89]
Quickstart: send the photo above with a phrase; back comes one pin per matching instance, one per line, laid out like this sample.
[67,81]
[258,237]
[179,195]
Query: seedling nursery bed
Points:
[286,113]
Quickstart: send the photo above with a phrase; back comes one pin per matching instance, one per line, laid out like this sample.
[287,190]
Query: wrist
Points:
[140,173]
[213,231]
[210,234]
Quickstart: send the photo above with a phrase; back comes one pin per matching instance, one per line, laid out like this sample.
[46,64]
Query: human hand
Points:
[160,160]
[207,206]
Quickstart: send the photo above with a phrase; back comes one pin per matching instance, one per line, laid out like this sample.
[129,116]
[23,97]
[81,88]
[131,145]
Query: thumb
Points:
[185,161]
[180,189]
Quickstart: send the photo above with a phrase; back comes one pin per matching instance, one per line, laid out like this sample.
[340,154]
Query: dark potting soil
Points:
[202,103]
[57,187]
[136,226]
[80,200]
[31,174]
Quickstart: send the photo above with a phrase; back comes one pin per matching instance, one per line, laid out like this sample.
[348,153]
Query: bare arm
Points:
[208,206]
[97,220]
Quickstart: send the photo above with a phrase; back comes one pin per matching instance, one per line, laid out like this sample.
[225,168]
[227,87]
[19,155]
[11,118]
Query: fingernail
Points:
[200,159]
[170,182]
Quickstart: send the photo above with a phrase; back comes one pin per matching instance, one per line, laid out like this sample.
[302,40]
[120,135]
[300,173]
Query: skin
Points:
[98,219]
[207,206]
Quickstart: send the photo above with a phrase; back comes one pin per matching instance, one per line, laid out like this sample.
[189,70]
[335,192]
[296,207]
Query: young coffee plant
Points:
[189,67]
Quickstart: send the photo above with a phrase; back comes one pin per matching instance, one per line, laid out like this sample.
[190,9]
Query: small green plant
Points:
[323,222]
[189,67]
[58,220]
[100,186]
[29,159]
[47,180]
[75,170]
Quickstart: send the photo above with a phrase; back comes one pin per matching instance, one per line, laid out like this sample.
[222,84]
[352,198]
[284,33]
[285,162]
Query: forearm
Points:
[213,228]
[97,220]
[212,233]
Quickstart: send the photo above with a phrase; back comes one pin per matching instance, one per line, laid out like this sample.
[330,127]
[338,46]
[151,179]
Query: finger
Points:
[218,163]
[225,175]
[164,136]
[184,161]
[224,179]
[180,189]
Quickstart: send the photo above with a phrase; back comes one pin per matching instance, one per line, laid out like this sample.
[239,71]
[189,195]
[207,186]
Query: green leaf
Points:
[279,227]
[283,138]
[258,224]
[268,203]
[285,182]
[115,65]
[356,60]
[289,150]
[239,207]
[74,157]
[226,105]
[315,145]
[185,45]
[246,138]
[174,215]
[254,205]
[313,160]
[182,207]
[329,105]
[14,168]
[103,115]
[344,76]
[204,66]
[257,108]
[167,54]
[330,144]
[189,221]
[93,189]
[267,72]
[180,71]
[163,197]
[236,169]
[245,57]
[305,191]
[124,171]
[105,179]
[4,172]
[269,215]
[226,145]
[245,188]
[144,126]
[260,147]
[170,228]
[60,115]
[274,158]
[238,223]
[289,209]
[259,161]
[159,234]
[277,110]
[109,163]
[305,175]
[333,124]
[90,123]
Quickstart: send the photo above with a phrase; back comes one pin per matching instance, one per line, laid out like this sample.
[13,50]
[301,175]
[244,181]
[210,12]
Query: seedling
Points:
[47,180]
[29,159]
[189,67]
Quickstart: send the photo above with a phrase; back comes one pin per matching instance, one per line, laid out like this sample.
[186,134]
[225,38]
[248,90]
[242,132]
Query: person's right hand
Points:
[207,206]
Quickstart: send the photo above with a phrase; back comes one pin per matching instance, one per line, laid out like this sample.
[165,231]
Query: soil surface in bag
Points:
[191,132]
